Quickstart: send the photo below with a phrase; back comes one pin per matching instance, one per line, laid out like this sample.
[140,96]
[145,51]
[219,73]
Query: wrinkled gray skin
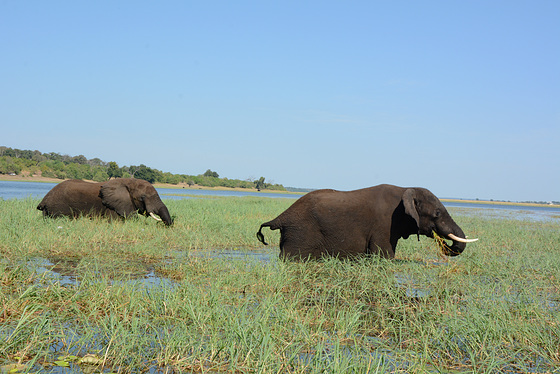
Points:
[115,198]
[365,221]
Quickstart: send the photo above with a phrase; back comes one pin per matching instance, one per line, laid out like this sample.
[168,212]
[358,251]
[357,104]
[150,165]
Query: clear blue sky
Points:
[461,97]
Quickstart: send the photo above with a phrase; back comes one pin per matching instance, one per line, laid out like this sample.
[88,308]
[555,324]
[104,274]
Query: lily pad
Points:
[91,360]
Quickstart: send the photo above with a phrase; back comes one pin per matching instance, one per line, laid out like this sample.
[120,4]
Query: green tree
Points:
[260,184]
[210,173]
[73,171]
[18,161]
[100,176]
[38,157]
[113,170]
[53,156]
[146,173]
[81,159]
[96,162]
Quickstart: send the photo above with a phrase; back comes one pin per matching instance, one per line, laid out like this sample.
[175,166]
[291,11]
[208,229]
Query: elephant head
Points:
[126,196]
[431,217]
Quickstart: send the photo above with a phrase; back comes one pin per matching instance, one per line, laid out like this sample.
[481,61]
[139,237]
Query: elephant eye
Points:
[437,213]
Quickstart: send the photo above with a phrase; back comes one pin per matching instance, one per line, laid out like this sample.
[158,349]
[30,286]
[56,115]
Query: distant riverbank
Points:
[493,202]
[180,186]
[186,187]
[30,178]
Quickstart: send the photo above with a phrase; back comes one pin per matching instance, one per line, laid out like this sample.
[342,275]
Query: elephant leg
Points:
[297,242]
[384,249]
[295,249]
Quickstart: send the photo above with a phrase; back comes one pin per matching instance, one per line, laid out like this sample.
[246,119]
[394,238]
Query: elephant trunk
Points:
[158,208]
[456,235]
[456,248]
[164,214]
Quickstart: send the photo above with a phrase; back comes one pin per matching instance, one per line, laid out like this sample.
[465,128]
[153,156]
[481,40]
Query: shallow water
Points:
[186,193]
[533,214]
[412,287]
[232,254]
[22,190]
[50,272]
[37,190]
[66,273]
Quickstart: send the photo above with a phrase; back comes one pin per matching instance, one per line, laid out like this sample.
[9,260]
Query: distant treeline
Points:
[54,165]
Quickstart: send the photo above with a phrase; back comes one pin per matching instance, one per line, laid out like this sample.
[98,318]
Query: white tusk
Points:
[458,239]
[154,217]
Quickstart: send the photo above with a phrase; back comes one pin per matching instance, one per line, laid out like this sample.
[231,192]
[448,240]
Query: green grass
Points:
[494,308]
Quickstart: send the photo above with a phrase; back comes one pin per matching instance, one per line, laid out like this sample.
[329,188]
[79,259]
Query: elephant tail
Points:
[260,235]
[273,226]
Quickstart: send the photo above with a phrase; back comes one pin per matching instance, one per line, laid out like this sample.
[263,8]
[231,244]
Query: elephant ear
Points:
[116,196]
[410,205]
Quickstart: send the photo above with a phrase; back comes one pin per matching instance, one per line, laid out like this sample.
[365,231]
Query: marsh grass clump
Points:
[440,243]
[143,296]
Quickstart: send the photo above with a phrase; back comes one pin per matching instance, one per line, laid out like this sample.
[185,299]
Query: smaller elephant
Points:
[365,221]
[115,198]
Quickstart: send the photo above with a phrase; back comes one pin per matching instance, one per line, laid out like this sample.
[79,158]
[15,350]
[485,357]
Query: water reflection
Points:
[412,287]
[51,272]
[65,273]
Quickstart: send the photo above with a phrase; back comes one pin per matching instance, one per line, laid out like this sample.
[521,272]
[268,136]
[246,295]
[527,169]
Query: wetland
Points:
[90,295]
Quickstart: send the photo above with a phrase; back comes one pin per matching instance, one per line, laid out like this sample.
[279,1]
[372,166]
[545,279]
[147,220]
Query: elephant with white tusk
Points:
[115,198]
[365,221]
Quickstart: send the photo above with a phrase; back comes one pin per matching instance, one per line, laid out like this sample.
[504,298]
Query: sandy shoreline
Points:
[34,178]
